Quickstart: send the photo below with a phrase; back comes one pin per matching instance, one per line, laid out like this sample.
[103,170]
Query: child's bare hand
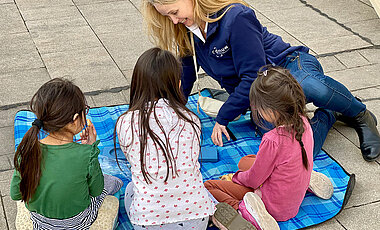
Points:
[88,135]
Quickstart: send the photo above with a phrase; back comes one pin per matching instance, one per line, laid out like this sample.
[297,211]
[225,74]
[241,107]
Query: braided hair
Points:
[276,91]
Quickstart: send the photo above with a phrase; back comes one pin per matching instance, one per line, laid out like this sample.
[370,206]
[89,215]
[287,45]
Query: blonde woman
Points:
[231,45]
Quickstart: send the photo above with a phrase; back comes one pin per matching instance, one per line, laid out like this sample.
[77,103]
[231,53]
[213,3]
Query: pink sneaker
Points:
[253,209]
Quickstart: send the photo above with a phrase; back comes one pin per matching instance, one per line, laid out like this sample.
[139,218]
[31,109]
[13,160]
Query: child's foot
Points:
[226,217]
[321,185]
[112,184]
[255,206]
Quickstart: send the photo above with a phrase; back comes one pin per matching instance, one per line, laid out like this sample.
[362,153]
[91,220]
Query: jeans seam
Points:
[308,74]
[312,75]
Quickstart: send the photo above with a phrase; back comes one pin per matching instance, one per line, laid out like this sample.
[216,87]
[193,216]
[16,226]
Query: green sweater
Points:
[71,174]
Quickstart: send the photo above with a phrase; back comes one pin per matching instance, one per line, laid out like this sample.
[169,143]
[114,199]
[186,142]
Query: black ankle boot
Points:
[365,125]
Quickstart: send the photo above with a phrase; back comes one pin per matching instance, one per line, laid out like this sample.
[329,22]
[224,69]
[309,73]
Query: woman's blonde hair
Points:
[173,37]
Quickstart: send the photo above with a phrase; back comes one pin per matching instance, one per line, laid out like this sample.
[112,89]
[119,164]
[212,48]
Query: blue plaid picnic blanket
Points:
[313,210]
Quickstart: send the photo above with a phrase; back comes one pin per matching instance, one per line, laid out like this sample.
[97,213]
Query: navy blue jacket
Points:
[236,47]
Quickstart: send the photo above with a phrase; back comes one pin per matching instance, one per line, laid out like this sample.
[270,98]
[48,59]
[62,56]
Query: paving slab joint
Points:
[361,205]
[340,224]
[91,93]
[5,214]
[101,42]
[376,47]
[336,21]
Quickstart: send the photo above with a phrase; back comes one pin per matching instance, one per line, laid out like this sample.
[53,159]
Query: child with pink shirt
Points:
[160,138]
[270,186]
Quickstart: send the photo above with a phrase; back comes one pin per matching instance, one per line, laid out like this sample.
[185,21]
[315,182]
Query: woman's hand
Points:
[88,136]
[216,135]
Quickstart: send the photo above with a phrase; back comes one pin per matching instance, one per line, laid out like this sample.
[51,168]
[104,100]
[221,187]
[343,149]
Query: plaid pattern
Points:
[312,211]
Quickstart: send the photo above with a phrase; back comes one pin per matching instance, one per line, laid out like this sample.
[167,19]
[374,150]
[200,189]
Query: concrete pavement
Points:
[97,42]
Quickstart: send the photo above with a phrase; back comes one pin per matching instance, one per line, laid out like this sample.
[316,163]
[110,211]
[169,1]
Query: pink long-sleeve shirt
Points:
[280,171]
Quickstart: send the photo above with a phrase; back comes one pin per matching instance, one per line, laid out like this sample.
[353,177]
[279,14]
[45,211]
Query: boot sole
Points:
[256,208]
[321,185]
[230,218]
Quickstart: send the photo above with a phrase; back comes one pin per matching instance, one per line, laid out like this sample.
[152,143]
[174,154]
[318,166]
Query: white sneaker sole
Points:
[321,185]
[256,208]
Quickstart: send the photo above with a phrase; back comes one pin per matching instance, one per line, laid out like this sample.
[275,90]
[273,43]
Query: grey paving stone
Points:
[128,75]
[90,101]
[72,38]
[137,4]
[352,59]
[372,55]
[52,11]
[58,24]
[3,223]
[126,94]
[125,46]
[30,4]
[263,20]
[21,85]
[338,10]
[18,52]
[337,44]
[7,116]
[4,163]
[6,1]
[331,63]
[349,156]
[363,217]
[265,6]
[7,141]
[108,99]
[10,20]
[366,2]
[10,211]
[11,159]
[311,28]
[109,13]
[328,225]
[91,69]
[369,29]
[5,182]
[86,2]
[358,78]
[273,28]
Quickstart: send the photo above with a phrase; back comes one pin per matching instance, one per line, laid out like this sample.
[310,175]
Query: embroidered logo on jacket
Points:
[220,52]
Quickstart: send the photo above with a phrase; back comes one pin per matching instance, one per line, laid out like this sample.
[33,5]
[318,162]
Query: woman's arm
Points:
[248,54]
[246,42]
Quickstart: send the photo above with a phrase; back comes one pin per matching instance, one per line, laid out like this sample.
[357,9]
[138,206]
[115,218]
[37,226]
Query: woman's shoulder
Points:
[237,13]
[236,9]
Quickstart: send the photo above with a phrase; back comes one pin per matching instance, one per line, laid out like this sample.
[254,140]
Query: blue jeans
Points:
[324,92]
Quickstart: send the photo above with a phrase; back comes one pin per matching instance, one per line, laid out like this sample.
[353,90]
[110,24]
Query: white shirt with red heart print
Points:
[183,196]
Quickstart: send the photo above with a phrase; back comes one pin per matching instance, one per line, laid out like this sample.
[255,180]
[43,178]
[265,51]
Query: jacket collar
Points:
[214,25]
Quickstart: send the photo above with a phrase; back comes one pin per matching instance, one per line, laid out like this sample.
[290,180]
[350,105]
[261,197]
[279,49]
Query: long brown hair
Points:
[54,104]
[157,75]
[276,90]
[174,37]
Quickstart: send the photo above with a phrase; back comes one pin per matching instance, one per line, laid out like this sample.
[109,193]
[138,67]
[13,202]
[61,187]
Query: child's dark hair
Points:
[157,75]
[54,104]
[277,90]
